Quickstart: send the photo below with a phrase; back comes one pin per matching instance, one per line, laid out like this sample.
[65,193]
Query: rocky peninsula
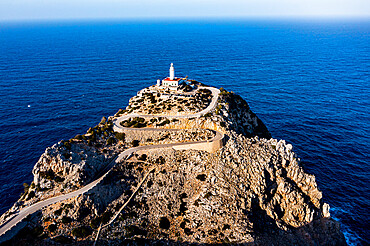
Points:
[191,166]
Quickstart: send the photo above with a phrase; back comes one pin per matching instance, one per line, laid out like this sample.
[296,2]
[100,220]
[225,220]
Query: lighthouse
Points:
[172,72]
[170,82]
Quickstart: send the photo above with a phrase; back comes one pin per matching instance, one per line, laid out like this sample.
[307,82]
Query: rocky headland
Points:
[252,190]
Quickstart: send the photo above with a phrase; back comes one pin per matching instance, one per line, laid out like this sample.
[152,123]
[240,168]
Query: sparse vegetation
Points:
[66,220]
[135,143]
[142,157]
[164,223]
[120,136]
[67,144]
[111,141]
[49,174]
[26,187]
[201,177]
[136,122]
[58,212]
[31,195]
[52,227]
[106,217]
[81,232]
[95,222]
[165,122]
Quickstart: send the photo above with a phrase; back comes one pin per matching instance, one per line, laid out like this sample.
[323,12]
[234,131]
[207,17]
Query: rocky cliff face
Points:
[252,191]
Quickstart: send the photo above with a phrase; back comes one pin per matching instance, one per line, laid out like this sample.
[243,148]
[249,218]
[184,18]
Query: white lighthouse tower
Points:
[170,82]
[172,72]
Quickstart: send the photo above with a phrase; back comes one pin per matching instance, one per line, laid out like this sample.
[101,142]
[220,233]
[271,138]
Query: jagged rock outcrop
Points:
[252,191]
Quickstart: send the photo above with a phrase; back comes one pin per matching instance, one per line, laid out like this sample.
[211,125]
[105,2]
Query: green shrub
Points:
[135,122]
[58,179]
[139,119]
[81,232]
[164,223]
[111,141]
[120,136]
[135,143]
[26,187]
[58,212]
[68,205]
[105,218]
[139,125]
[226,227]
[165,122]
[183,224]
[188,231]
[93,137]
[160,160]
[95,222]
[143,157]
[49,174]
[208,195]
[52,227]
[209,114]
[66,220]
[201,177]
[187,88]
[31,195]
[67,155]
[67,145]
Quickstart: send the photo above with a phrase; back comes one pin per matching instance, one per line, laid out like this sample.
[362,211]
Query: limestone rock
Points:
[252,191]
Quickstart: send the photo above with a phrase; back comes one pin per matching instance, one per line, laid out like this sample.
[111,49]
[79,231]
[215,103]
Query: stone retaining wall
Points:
[143,134]
[209,146]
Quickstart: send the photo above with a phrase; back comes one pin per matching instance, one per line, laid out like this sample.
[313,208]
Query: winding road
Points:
[23,213]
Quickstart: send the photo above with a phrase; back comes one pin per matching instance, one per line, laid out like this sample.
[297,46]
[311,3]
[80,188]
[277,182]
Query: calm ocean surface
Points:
[309,81]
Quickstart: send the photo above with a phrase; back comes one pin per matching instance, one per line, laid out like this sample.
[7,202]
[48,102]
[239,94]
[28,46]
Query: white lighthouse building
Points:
[171,81]
[172,72]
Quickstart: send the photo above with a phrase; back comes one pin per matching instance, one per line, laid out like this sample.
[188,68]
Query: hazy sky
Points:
[93,9]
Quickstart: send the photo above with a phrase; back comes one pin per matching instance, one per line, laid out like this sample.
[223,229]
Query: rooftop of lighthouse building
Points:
[175,79]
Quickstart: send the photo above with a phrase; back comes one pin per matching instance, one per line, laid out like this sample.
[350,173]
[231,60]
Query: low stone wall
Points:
[143,134]
[140,134]
[209,146]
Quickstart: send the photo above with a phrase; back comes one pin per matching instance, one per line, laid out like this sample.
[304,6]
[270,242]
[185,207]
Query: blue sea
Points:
[309,81]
